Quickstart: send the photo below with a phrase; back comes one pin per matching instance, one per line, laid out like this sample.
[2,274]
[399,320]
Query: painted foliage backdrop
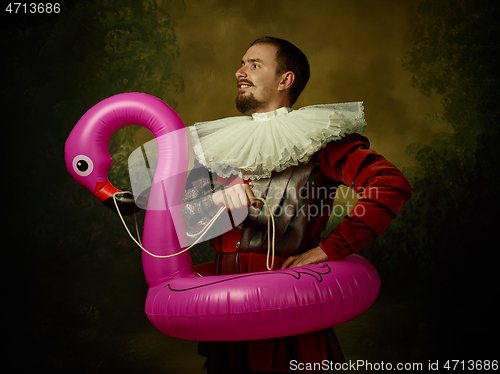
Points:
[426,70]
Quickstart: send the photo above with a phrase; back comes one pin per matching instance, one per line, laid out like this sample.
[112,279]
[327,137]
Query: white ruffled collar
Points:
[272,114]
[262,143]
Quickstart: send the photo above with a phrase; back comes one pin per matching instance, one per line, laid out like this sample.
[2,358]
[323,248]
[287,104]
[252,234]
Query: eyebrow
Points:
[253,60]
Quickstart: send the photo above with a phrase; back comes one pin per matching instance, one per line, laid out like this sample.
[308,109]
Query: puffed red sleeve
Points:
[383,189]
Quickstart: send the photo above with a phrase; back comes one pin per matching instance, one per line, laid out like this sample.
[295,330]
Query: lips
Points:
[243,85]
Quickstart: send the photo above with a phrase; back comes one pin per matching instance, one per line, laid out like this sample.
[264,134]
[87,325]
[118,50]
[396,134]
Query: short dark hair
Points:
[289,58]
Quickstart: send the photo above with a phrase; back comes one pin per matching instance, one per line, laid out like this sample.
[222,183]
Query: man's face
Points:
[257,79]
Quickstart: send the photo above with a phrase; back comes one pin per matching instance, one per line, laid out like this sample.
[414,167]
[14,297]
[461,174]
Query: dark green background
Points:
[73,287]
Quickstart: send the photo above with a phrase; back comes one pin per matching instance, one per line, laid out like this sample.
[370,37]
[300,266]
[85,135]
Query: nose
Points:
[241,72]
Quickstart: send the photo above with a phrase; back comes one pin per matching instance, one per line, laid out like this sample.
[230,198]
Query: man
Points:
[294,159]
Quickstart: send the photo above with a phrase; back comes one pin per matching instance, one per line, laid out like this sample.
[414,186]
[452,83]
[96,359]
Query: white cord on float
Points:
[270,219]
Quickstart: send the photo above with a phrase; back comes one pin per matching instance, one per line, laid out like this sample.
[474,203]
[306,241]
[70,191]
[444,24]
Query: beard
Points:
[244,103]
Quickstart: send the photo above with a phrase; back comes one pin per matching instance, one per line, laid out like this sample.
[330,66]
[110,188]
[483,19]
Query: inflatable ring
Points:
[180,302]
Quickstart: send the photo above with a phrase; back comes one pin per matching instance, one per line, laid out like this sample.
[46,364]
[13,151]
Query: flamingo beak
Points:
[104,191]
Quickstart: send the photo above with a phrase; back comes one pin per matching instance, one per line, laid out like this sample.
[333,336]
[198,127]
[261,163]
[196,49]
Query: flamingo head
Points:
[88,161]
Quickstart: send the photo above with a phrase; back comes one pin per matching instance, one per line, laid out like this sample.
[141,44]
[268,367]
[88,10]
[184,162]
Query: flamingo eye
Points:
[83,165]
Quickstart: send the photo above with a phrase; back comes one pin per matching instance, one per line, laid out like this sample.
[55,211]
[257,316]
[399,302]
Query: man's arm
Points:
[205,195]
[199,207]
[383,188]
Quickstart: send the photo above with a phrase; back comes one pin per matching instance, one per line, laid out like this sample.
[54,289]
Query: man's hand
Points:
[312,256]
[233,197]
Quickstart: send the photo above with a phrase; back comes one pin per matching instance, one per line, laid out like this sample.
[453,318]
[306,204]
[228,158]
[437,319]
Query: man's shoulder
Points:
[351,139]
[337,149]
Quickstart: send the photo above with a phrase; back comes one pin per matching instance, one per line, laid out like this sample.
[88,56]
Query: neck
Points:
[274,105]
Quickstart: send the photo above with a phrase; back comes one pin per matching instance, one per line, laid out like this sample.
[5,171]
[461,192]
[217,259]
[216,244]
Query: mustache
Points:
[244,81]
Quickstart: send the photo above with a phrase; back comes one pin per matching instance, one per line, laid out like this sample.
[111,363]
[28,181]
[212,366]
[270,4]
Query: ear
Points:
[286,80]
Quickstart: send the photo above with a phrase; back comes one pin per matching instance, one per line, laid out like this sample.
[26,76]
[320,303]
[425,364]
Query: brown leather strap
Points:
[226,263]
[273,198]
[282,195]
[297,237]
[289,206]
[260,188]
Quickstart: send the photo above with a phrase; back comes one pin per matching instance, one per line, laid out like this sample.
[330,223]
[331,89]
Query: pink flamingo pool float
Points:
[180,302]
